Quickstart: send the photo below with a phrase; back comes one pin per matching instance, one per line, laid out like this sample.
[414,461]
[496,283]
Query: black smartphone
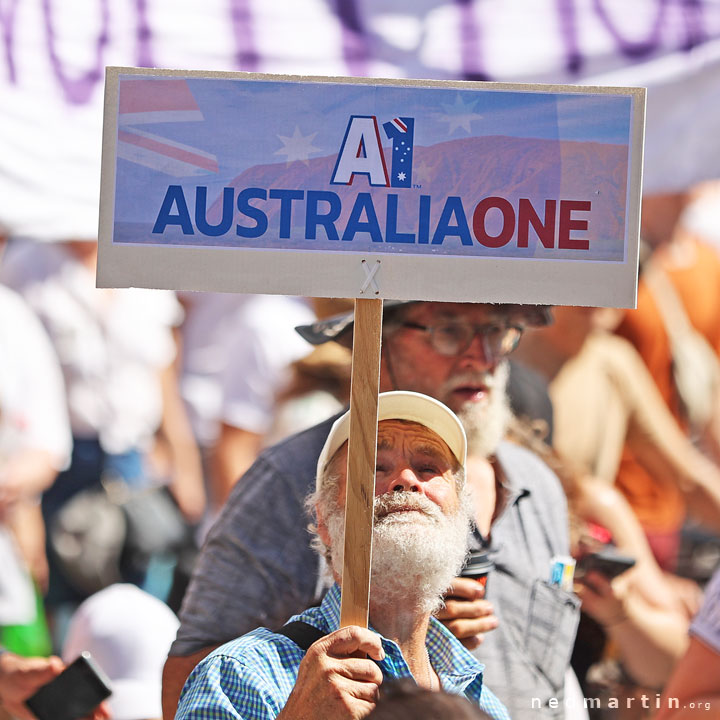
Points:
[74,693]
[607,562]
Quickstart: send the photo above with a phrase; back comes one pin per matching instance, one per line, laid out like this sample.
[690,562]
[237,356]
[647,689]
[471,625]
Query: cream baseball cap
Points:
[402,405]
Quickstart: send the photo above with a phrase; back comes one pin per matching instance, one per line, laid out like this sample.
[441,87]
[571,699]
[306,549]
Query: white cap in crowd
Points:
[402,405]
[128,632]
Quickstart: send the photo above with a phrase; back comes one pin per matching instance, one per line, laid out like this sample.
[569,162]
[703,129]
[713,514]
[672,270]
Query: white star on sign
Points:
[458,115]
[401,176]
[297,147]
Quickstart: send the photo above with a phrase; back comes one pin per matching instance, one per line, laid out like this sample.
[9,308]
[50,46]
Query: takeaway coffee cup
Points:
[478,566]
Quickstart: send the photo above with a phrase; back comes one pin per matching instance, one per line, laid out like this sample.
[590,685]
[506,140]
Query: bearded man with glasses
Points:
[463,349]
[257,567]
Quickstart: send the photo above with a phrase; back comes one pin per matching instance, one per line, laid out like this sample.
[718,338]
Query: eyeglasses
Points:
[454,338]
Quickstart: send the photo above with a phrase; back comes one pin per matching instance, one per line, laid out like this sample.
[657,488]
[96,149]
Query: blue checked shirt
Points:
[252,677]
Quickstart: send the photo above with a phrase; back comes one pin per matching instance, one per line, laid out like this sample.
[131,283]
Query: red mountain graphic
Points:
[472,168]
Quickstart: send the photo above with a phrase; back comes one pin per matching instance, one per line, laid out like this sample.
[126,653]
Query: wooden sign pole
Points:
[362,451]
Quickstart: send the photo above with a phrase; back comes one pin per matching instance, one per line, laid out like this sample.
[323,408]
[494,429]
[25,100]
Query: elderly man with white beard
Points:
[422,517]
[257,567]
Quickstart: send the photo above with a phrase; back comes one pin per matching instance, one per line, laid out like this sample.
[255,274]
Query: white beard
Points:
[486,423]
[416,555]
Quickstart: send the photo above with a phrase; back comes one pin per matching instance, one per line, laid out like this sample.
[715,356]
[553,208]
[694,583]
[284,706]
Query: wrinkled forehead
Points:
[406,435]
[413,437]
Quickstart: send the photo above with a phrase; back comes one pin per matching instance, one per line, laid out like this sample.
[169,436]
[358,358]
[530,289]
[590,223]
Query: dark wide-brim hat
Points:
[339,326]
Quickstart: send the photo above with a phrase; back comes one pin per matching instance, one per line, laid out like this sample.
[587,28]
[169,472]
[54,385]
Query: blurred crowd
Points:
[128,417]
[157,449]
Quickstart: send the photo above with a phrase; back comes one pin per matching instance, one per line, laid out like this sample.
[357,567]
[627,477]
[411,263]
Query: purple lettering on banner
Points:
[246,56]
[568,27]
[144,36]
[694,30]
[470,42]
[354,38]
[78,91]
[633,48]
[7,19]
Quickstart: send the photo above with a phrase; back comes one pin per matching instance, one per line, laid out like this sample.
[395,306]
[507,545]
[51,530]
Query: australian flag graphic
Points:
[401,131]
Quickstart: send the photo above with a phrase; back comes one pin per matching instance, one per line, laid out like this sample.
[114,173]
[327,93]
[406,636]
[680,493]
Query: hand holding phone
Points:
[20,677]
[602,591]
[73,694]
[609,563]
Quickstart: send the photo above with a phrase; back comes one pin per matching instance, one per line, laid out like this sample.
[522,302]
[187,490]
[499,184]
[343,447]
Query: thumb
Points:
[42,670]
[56,664]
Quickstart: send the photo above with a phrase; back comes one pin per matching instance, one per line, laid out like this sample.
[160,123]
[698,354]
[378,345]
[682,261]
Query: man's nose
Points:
[405,480]
[477,353]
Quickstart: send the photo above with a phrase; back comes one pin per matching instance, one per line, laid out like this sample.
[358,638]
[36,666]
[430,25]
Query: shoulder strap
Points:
[672,311]
[301,633]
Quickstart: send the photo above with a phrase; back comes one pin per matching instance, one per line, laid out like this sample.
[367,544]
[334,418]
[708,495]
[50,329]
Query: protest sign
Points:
[370,188]
[413,190]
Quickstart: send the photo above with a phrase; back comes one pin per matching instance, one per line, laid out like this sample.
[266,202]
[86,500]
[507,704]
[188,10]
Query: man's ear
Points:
[322,530]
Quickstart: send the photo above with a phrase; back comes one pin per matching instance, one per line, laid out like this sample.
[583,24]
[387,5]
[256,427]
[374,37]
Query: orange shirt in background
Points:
[694,270]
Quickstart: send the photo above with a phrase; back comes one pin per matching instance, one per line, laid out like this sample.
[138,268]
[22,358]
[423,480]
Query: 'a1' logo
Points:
[361,152]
